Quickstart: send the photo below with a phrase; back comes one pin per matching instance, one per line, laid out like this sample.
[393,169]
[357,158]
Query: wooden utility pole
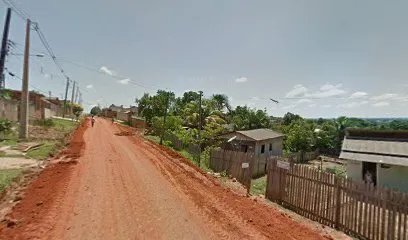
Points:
[164,118]
[4,44]
[24,91]
[65,99]
[200,125]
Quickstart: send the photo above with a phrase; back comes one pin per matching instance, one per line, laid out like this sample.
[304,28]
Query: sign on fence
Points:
[245,165]
[284,165]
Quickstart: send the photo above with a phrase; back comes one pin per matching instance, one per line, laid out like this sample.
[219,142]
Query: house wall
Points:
[9,110]
[395,177]
[123,116]
[138,123]
[354,170]
[277,147]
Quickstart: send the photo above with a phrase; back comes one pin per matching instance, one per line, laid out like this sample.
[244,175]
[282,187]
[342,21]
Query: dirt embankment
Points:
[39,197]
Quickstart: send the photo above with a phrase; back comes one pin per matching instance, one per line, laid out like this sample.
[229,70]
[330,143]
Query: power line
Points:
[21,79]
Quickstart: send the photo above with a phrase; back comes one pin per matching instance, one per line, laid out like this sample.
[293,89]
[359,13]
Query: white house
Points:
[379,157]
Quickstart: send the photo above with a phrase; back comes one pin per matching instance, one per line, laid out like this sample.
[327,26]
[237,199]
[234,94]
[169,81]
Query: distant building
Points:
[260,141]
[377,157]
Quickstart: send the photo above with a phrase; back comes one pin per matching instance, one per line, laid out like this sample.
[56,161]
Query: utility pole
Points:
[49,94]
[65,99]
[200,125]
[76,95]
[4,44]
[73,92]
[24,92]
[164,118]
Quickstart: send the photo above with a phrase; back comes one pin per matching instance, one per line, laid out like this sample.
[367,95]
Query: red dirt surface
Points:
[125,187]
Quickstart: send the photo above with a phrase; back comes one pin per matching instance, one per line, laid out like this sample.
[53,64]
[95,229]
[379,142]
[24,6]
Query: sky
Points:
[318,58]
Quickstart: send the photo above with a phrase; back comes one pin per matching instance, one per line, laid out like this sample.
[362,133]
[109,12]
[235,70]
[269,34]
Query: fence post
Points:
[337,183]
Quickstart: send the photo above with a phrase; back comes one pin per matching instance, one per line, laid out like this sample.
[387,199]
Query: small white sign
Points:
[245,165]
[282,164]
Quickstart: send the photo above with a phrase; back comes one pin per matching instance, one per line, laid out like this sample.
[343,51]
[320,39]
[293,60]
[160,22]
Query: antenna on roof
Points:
[232,139]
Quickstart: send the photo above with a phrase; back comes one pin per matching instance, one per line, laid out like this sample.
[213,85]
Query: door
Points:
[370,173]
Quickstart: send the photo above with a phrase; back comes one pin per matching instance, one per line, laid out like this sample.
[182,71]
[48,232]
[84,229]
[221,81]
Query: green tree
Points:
[96,110]
[77,109]
[289,117]
[245,118]
[299,137]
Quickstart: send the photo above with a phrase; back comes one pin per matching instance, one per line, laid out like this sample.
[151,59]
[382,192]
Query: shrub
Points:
[44,122]
[5,126]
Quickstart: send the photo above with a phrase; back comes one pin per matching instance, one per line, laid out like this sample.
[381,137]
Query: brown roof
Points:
[261,134]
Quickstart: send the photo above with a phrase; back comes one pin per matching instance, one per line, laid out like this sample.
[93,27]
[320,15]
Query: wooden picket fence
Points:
[193,149]
[358,209]
[229,161]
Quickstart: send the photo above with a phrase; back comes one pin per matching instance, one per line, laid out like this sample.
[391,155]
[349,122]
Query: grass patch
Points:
[258,186]
[155,139]
[64,125]
[43,152]
[8,142]
[7,176]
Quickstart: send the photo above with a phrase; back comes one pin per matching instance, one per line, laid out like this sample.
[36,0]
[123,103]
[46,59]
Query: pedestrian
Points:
[93,120]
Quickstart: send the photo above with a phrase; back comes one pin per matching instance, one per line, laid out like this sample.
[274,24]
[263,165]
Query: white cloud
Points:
[353,104]
[89,86]
[100,100]
[123,81]
[325,91]
[298,91]
[106,70]
[385,96]
[289,106]
[255,98]
[327,106]
[304,100]
[358,95]
[381,104]
[241,79]
[312,105]
[329,90]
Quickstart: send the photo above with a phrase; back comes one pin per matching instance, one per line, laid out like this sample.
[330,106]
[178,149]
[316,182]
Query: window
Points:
[263,148]
[270,147]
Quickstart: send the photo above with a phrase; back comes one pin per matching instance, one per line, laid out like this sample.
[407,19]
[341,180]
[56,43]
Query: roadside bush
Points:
[5,126]
[168,144]
[338,171]
[44,122]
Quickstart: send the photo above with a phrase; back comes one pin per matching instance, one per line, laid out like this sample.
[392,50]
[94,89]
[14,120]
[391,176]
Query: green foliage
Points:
[7,176]
[245,118]
[288,118]
[5,126]
[43,152]
[173,123]
[339,171]
[299,137]
[258,186]
[96,110]
[44,122]
[77,109]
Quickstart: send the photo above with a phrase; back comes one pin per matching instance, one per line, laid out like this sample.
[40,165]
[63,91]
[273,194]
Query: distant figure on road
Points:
[93,121]
[113,120]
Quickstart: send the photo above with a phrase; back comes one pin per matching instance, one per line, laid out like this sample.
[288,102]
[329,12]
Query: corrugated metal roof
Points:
[362,157]
[261,134]
[373,146]
[390,152]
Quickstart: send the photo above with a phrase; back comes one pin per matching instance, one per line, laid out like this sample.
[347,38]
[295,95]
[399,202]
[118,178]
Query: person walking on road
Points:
[93,120]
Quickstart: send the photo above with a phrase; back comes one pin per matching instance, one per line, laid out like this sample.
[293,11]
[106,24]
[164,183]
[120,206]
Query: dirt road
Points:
[125,187]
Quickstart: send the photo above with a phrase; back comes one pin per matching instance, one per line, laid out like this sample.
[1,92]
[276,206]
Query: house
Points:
[121,112]
[260,141]
[137,122]
[9,109]
[124,116]
[377,157]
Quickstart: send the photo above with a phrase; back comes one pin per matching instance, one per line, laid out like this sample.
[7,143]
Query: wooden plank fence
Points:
[221,160]
[359,209]
[193,149]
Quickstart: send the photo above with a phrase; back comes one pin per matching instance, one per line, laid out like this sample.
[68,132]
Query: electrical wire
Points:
[32,86]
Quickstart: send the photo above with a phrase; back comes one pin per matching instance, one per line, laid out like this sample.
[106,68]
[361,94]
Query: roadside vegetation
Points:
[7,176]
[218,116]
[45,138]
